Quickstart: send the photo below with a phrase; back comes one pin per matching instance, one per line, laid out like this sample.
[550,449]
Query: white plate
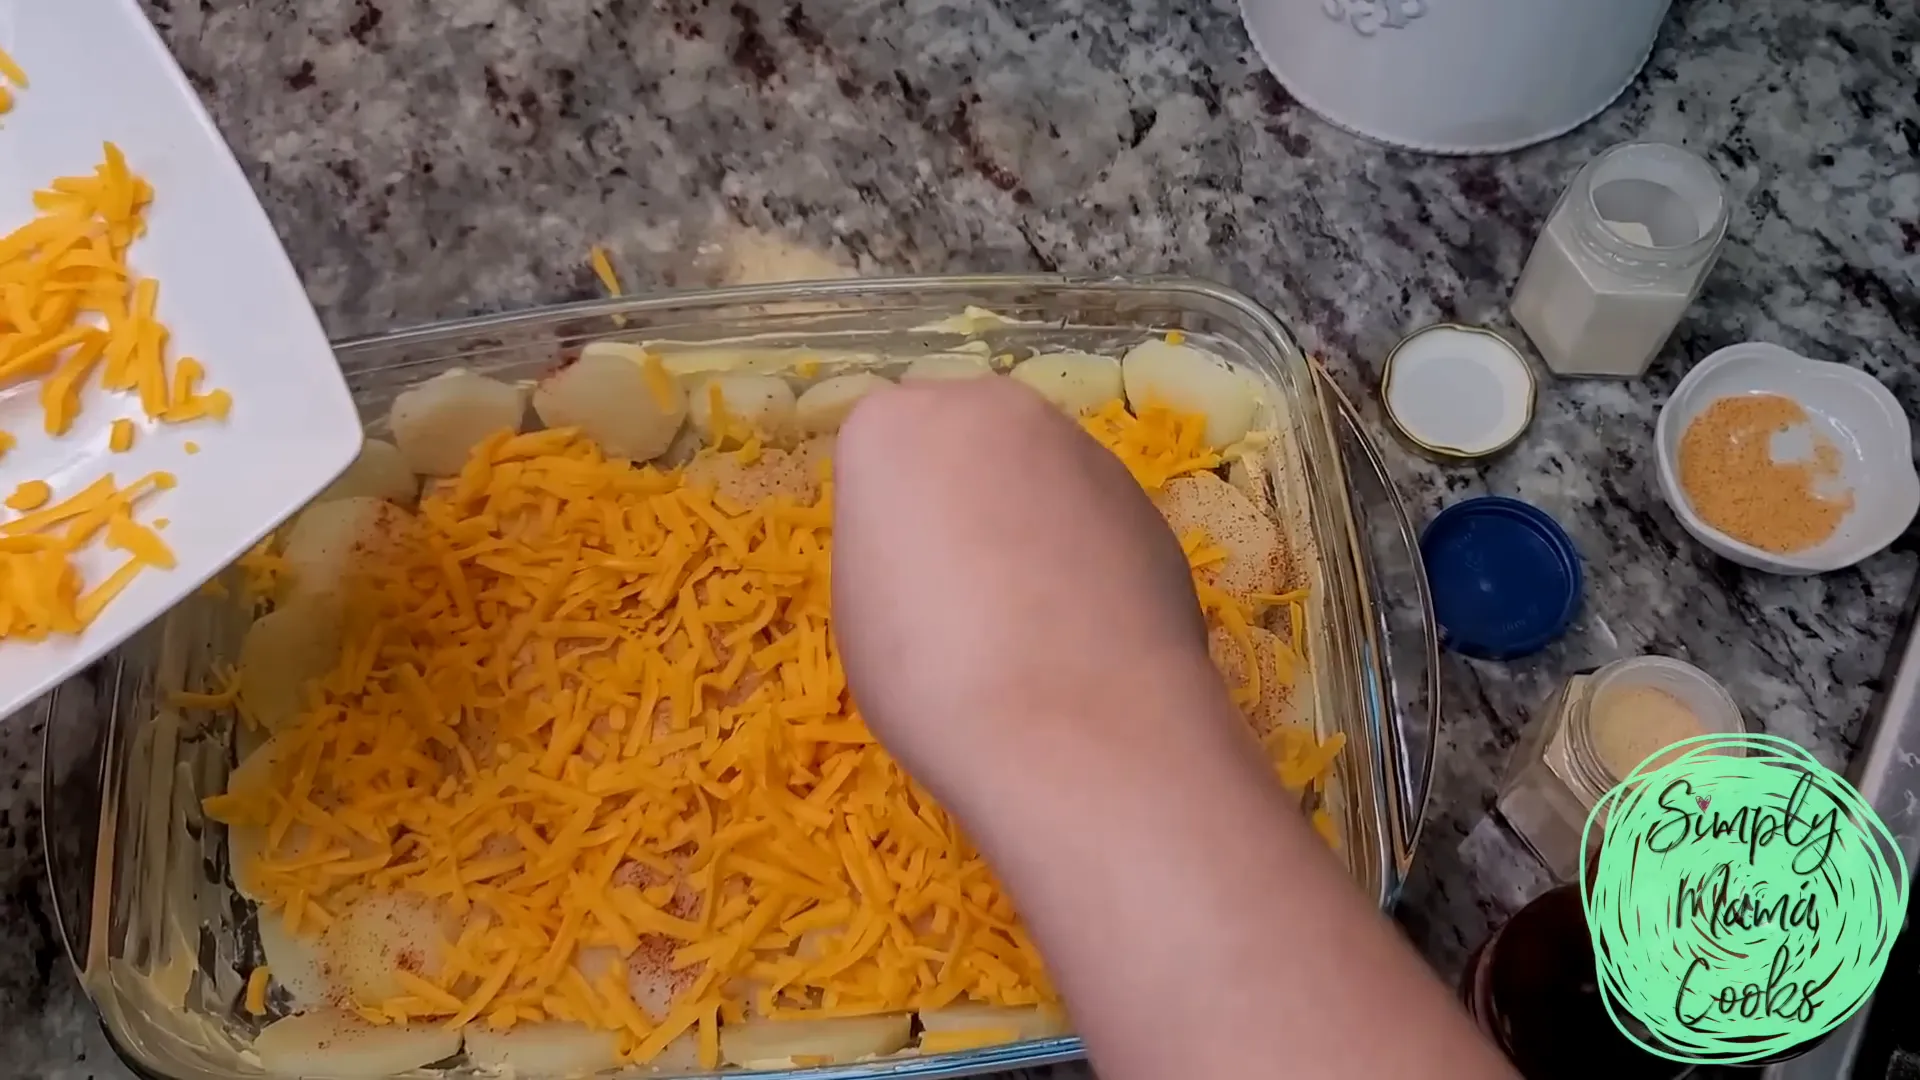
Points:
[1850,408]
[97,72]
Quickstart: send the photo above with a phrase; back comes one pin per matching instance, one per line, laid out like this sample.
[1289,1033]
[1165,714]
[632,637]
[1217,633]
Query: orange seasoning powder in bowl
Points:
[1729,474]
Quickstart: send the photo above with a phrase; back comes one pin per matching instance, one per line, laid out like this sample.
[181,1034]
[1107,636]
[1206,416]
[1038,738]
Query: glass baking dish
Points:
[141,879]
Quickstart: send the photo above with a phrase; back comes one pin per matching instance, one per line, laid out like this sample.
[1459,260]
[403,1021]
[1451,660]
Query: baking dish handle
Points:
[1404,627]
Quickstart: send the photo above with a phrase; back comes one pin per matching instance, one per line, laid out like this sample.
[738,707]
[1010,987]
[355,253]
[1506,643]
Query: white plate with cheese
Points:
[97,73]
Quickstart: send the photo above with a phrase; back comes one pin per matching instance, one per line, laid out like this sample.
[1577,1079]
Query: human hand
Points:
[1008,604]
[1020,630]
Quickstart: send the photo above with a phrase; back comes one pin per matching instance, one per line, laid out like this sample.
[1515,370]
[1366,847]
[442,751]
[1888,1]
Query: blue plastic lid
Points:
[1505,577]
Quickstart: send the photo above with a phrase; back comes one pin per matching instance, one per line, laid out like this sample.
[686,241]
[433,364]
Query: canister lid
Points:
[1457,393]
[1505,577]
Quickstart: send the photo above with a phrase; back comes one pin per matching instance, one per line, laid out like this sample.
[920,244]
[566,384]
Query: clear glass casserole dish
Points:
[141,877]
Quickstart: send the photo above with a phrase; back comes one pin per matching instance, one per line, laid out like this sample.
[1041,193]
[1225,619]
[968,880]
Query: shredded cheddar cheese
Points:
[256,1000]
[41,591]
[610,281]
[10,73]
[30,496]
[603,269]
[67,267]
[605,709]
[72,311]
[1155,446]
[594,711]
[261,569]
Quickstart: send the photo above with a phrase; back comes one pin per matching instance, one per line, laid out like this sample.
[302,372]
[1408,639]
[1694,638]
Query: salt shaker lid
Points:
[1457,393]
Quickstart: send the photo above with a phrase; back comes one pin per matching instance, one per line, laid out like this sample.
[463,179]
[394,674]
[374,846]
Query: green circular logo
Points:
[1743,902]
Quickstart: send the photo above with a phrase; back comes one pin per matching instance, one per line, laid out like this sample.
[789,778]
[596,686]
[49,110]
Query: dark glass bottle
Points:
[1532,988]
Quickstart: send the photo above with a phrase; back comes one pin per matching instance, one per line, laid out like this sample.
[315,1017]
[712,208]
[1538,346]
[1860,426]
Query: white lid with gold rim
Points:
[1458,392]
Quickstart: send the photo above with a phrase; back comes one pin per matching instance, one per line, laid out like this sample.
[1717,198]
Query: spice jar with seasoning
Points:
[1621,258]
[1595,731]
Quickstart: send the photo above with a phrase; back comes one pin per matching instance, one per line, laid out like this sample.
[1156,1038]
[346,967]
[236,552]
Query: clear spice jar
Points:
[1623,254]
[1592,733]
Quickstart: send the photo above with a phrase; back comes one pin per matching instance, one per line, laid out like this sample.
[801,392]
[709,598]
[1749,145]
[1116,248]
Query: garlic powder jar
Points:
[1595,731]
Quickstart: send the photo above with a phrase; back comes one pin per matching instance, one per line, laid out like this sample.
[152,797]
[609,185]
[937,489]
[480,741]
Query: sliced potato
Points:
[332,1043]
[775,1043]
[257,774]
[247,843]
[330,541]
[285,650]
[552,1048]
[682,1055]
[816,454]
[1075,381]
[618,350]
[1188,380]
[381,933]
[612,398]
[380,471]
[684,448]
[652,980]
[764,401]
[437,423]
[947,366]
[1275,706]
[249,737]
[1256,561]
[297,961]
[1249,478]
[774,473]
[1029,1021]
[824,406]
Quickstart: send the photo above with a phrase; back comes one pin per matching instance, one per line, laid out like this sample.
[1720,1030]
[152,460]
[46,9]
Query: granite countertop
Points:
[429,161]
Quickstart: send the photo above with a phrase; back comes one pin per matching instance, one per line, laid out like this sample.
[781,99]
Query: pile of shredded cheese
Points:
[41,592]
[1155,446]
[70,306]
[69,263]
[585,706]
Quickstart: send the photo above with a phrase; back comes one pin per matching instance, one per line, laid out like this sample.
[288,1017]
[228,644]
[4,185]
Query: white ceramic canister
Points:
[1454,76]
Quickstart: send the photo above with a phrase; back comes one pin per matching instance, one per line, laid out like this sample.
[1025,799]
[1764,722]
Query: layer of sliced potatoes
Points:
[454,815]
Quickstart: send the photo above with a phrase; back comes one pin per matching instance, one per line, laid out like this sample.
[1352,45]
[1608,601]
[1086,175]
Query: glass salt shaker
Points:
[1623,254]
[1595,731]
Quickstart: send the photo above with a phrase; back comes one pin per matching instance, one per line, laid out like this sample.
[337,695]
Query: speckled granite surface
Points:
[424,161]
